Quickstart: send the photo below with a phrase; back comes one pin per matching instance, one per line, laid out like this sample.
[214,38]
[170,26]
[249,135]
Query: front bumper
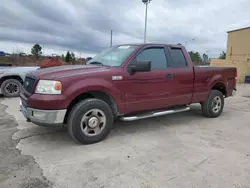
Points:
[47,118]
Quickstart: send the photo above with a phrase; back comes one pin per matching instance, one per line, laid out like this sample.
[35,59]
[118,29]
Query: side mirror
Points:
[139,66]
[88,58]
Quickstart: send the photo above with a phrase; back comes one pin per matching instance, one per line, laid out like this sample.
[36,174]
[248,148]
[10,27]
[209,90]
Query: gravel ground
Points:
[179,150]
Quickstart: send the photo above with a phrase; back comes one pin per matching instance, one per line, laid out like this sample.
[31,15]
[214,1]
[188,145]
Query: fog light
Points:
[39,115]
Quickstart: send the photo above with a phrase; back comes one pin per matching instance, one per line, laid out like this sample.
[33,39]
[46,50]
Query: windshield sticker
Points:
[123,47]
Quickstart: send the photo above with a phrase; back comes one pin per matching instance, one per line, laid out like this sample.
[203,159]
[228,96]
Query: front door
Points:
[149,90]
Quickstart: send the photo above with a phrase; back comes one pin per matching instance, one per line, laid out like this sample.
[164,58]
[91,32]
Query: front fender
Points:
[9,74]
[93,84]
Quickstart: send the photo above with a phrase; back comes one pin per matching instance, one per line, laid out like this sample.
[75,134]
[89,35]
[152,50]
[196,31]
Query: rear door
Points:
[149,90]
[183,77]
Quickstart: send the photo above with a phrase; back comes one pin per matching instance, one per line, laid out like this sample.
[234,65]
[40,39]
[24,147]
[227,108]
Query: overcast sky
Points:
[83,26]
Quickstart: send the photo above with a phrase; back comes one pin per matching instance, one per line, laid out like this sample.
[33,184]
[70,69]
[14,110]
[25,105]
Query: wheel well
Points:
[11,77]
[220,87]
[93,94]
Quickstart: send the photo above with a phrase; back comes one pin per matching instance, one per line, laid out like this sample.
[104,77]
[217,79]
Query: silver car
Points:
[12,78]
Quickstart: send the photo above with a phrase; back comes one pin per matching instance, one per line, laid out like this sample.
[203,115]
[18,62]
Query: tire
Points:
[208,106]
[80,121]
[11,88]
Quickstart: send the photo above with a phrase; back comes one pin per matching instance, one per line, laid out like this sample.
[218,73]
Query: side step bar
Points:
[154,114]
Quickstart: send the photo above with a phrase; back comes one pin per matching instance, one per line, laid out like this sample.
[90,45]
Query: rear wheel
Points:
[214,104]
[11,88]
[90,121]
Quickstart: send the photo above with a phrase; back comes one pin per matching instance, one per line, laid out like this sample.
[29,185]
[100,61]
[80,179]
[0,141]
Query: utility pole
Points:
[146,2]
[207,54]
[43,51]
[111,37]
[145,27]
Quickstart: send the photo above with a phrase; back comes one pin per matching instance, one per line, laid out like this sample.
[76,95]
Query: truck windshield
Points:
[113,56]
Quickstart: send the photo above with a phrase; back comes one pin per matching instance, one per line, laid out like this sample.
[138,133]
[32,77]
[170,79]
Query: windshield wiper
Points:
[96,63]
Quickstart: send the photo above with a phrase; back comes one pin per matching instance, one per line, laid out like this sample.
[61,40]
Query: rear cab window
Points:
[178,58]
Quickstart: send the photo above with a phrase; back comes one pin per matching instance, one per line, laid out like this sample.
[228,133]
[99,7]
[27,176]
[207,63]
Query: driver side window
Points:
[157,57]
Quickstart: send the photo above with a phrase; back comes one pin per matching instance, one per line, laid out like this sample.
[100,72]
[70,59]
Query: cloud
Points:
[84,25]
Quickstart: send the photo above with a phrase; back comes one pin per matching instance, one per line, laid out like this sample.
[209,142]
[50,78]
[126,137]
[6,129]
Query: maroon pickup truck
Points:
[128,82]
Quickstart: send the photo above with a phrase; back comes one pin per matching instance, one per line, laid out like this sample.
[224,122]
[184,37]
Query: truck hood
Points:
[67,71]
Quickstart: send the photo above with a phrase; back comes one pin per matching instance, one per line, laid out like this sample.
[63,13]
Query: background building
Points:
[238,45]
[238,53]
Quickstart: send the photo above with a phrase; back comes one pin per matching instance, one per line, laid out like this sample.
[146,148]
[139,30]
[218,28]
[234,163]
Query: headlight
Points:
[49,87]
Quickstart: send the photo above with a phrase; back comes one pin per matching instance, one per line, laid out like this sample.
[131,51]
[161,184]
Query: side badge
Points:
[117,77]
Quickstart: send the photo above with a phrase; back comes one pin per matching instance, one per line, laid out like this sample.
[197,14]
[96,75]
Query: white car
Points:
[12,78]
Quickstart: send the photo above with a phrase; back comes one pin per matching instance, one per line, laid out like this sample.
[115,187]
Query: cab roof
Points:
[148,44]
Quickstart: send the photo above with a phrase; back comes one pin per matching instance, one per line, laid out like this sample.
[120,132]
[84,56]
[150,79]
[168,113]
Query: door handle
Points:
[169,76]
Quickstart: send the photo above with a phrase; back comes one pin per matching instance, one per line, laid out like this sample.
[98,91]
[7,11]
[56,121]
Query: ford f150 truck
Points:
[129,82]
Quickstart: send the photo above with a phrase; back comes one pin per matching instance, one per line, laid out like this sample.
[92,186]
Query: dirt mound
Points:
[51,62]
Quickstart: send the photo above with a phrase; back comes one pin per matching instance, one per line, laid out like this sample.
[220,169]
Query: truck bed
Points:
[206,76]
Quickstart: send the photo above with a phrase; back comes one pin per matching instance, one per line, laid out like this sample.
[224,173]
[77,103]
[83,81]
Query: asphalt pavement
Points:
[16,170]
[179,150]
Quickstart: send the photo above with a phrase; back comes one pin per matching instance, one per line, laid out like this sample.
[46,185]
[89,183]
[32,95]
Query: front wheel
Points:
[214,104]
[11,88]
[90,121]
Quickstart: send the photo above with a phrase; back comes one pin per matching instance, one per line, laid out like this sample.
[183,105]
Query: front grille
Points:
[28,84]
